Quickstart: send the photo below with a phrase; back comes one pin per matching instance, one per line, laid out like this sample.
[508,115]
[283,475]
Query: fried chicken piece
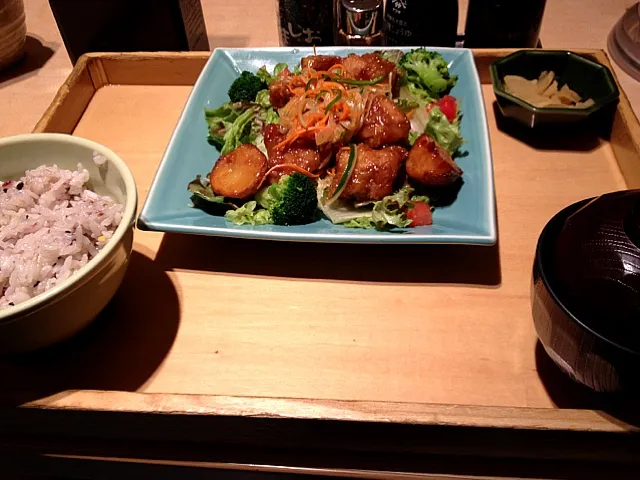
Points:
[374,173]
[238,173]
[279,93]
[367,66]
[302,153]
[430,164]
[320,62]
[384,123]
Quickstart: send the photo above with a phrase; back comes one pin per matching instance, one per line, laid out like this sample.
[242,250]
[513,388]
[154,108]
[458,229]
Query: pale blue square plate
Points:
[470,219]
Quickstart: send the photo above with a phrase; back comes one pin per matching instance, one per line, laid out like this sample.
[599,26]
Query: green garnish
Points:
[345,175]
[349,81]
[309,83]
[334,101]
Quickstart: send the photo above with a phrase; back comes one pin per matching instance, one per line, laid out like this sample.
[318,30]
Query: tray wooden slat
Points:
[215,329]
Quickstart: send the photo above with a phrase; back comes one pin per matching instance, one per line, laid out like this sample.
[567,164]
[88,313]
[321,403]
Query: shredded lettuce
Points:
[279,68]
[248,215]
[406,105]
[220,121]
[271,116]
[203,189]
[237,134]
[390,212]
[262,99]
[204,198]
[420,198]
[436,124]
[393,56]
[445,133]
[339,211]
[264,75]
[264,118]
[238,123]
[360,222]
[230,124]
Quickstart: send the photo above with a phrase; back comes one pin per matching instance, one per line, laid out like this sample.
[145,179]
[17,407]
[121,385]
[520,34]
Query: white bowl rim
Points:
[128,216]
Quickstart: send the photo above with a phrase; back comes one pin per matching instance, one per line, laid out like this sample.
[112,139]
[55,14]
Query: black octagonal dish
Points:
[585,303]
[586,77]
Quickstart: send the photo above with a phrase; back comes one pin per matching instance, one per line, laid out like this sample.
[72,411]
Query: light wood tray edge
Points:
[358,411]
[263,430]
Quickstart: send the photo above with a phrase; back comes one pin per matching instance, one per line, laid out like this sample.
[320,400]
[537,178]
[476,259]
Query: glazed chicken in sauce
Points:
[430,164]
[279,93]
[302,153]
[384,124]
[367,67]
[320,62]
[374,173]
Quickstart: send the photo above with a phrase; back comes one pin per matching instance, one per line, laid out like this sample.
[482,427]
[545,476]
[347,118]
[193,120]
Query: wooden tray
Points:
[222,350]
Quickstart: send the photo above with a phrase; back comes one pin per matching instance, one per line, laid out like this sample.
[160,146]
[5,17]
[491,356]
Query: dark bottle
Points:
[503,23]
[421,23]
[305,23]
[126,26]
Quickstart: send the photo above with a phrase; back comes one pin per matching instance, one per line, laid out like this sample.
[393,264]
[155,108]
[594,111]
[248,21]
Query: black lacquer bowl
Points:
[586,291]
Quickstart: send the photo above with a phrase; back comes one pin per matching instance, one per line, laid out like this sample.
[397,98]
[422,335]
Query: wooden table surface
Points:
[26,92]
[24,95]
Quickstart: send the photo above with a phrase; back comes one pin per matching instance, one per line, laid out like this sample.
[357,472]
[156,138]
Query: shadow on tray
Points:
[440,264]
[566,393]
[121,350]
[36,55]
[582,137]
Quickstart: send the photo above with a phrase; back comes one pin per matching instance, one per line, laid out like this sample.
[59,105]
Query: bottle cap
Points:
[361,18]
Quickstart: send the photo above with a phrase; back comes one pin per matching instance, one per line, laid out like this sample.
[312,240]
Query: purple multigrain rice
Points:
[50,226]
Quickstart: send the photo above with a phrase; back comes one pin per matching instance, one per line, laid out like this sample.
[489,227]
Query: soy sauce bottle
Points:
[421,23]
[305,23]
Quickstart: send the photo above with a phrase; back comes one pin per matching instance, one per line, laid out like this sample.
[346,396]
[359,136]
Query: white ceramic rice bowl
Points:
[64,310]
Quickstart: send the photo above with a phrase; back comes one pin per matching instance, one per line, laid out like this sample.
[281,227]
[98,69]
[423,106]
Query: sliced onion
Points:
[301,107]
[325,160]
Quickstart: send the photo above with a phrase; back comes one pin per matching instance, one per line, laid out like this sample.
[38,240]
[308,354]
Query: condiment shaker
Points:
[360,22]
[305,23]
[421,23]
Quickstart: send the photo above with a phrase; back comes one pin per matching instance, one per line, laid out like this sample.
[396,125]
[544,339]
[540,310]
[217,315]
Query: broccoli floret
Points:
[291,201]
[429,71]
[246,87]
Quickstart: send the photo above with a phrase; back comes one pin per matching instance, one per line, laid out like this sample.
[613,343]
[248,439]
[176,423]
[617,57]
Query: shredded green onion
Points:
[346,175]
[348,81]
[323,92]
[334,101]
[312,81]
